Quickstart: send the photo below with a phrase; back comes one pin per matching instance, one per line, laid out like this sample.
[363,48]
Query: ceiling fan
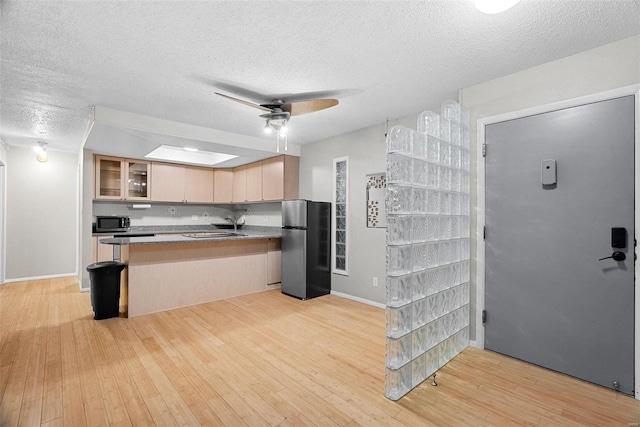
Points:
[278,111]
[279,106]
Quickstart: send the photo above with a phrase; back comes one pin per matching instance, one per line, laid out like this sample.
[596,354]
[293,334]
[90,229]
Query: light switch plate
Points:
[549,172]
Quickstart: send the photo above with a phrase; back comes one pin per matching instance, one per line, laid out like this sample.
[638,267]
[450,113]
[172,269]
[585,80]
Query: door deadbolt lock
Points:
[616,255]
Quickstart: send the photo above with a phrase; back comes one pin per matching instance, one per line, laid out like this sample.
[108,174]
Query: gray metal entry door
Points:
[549,300]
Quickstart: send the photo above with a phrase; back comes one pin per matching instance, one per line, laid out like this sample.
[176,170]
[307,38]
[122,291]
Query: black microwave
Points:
[112,224]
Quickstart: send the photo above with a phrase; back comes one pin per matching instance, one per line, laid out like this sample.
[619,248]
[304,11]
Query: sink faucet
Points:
[234,221]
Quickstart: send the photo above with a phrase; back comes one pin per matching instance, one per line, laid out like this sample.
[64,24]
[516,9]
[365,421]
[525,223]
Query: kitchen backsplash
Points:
[266,214]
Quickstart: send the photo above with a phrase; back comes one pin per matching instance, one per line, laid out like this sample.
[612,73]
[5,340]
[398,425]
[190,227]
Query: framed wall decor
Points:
[376,193]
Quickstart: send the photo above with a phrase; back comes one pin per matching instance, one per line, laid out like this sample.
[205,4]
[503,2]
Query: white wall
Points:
[41,215]
[366,149]
[262,214]
[3,153]
[605,68]
[85,241]
[3,209]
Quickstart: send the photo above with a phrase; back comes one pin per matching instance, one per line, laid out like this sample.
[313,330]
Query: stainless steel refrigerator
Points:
[306,248]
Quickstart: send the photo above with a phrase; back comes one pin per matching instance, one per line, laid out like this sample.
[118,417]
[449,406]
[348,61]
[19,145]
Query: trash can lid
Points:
[105,265]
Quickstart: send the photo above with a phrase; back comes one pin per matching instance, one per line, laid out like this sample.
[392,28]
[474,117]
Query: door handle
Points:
[616,255]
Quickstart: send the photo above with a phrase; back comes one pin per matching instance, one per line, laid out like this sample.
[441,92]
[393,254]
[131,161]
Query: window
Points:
[340,218]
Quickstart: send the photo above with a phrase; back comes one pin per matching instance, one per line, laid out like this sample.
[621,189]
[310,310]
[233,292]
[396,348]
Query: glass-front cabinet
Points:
[137,173]
[121,179]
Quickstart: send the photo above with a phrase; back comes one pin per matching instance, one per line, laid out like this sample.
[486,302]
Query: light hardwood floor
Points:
[261,359]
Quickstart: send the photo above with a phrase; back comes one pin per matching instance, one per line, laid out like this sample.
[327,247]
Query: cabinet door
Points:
[222,186]
[273,178]
[198,185]
[280,178]
[240,184]
[168,182]
[274,261]
[291,177]
[109,177]
[102,252]
[254,182]
[137,183]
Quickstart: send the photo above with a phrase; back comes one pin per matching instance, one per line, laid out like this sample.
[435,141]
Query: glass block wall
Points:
[427,246]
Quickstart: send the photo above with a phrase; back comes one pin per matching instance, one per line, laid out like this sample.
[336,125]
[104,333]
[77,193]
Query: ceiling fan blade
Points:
[309,96]
[242,101]
[304,107]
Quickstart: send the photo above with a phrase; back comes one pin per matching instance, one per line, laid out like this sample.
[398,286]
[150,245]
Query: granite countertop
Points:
[176,234]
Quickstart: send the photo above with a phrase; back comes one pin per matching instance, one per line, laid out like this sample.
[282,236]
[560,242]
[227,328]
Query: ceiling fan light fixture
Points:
[277,120]
[492,7]
[41,151]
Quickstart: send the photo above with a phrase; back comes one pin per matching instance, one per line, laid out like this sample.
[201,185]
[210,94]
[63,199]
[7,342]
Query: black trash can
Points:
[105,288]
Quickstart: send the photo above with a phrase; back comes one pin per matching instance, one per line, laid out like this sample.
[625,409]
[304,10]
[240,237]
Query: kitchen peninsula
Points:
[175,270]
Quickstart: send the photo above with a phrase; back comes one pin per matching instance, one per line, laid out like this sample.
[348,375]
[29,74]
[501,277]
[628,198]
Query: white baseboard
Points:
[51,276]
[475,344]
[358,299]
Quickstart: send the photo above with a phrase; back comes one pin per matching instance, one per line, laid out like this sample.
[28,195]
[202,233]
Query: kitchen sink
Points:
[212,234]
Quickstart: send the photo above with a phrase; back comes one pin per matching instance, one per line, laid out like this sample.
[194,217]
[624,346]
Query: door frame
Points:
[481,206]
[3,221]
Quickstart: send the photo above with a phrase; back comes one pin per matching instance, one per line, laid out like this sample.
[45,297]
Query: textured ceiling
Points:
[160,59]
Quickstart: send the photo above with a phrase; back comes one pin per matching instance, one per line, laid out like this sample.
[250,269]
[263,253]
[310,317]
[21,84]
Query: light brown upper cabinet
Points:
[199,185]
[181,184]
[121,179]
[169,182]
[240,184]
[254,182]
[267,180]
[222,186]
[280,178]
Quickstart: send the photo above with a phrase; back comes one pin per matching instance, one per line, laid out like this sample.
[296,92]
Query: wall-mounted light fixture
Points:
[41,151]
[494,6]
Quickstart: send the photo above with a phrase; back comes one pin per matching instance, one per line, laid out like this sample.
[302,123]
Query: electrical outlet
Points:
[375,282]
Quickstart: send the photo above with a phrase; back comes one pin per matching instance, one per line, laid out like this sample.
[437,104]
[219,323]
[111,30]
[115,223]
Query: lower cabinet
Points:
[102,252]
[274,261]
